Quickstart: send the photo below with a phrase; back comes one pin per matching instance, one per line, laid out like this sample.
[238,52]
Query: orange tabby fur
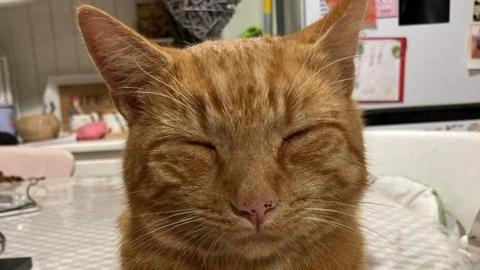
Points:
[216,122]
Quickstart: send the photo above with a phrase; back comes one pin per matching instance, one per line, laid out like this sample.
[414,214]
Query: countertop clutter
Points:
[75,228]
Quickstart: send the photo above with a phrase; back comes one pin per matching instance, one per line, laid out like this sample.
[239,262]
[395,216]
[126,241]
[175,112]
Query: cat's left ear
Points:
[126,60]
[337,33]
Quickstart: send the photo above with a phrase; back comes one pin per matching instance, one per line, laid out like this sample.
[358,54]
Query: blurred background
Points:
[417,69]
[418,65]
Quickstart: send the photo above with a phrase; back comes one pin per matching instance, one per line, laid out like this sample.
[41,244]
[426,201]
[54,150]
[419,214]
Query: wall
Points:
[248,13]
[41,39]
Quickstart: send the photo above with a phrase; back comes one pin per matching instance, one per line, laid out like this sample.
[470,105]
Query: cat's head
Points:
[236,146]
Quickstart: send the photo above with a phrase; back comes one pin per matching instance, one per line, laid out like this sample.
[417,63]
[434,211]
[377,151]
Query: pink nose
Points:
[254,210]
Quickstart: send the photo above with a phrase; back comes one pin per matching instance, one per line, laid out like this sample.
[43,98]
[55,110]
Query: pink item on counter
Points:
[92,131]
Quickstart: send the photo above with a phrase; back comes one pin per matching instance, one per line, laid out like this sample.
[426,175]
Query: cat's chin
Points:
[257,245]
[259,238]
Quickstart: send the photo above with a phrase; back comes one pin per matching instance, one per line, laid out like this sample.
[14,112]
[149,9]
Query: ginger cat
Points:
[242,154]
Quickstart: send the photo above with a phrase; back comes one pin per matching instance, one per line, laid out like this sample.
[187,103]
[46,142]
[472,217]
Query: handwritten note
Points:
[380,70]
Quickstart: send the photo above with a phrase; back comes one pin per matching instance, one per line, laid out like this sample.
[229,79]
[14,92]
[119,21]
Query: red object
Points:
[371,16]
[92,131]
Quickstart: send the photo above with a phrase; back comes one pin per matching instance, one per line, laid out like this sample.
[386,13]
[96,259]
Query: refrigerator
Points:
[439,91]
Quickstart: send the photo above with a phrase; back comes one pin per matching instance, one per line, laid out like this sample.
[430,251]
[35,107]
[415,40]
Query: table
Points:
[76,228]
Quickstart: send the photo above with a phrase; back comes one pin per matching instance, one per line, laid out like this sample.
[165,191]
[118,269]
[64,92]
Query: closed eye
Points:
[324,124]
[297,134]
[203,144]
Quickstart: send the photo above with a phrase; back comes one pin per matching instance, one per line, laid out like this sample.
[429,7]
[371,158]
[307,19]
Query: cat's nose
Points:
[254,209]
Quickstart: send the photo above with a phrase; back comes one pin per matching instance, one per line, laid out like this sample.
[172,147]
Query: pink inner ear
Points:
[98,33]
[107,40]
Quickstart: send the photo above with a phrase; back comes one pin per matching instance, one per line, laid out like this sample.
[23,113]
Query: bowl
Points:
[38,127]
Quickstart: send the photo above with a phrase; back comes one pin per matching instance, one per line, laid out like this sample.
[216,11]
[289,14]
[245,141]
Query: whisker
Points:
[340,81]
[337,61]
[178,225]
[349,228]
[360,224]
[200,234]
[381,204]
[162,220]
[200,229]
[330,210]
[324,68]
[198,241]
[213,245]
[172,211]
[170,226]
[358,207]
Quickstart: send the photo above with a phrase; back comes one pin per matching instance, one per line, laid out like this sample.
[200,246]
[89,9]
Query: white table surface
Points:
[76,228]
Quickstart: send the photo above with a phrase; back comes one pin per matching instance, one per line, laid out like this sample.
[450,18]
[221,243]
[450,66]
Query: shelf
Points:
[92,146]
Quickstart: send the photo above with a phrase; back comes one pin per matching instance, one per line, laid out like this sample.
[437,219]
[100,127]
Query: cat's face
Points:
[235,146]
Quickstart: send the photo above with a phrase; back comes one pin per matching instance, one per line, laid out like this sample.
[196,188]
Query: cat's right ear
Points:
[126,60]
[337,35]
